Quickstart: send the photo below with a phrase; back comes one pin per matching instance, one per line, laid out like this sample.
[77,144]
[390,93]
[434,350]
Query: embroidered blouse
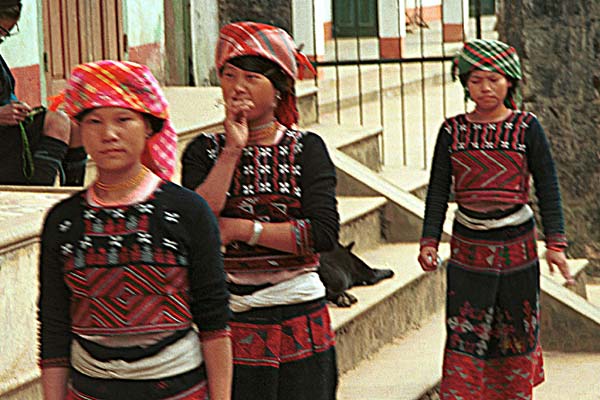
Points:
[293,180]
[153,267]
[493,162]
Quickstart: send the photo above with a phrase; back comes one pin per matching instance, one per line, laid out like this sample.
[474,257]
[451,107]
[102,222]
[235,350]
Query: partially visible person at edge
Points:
[36,144]
[493,290]
[133,302]
[272,187]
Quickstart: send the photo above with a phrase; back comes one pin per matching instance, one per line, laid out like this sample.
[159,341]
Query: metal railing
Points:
[409,96]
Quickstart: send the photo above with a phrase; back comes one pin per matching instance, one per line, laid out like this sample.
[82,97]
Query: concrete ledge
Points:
[569,323]
[407,369]
[361,220]
[404,213]
[362,143]
[390,308]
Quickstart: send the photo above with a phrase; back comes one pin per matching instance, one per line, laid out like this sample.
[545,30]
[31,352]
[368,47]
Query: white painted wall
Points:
[308,29]
[144,22]
[424,3]
[392,19]
[456,12]
[205,31]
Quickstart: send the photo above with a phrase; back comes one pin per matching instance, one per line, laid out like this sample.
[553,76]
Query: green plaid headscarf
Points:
[493,56]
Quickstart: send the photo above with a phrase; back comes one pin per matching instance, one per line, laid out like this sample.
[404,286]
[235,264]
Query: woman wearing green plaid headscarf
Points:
[492,56]
[493,293]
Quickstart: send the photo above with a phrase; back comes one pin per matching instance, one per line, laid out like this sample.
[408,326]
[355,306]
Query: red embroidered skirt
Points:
[284,352]
[492,314]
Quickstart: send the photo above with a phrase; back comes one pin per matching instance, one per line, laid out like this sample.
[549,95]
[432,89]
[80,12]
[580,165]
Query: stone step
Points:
[392,307]
[361,221]
[406,368]
[362,143]
[411,366]
[404,211]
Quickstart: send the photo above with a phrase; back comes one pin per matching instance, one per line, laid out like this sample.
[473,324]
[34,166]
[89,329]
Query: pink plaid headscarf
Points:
[274,44]
[128,85]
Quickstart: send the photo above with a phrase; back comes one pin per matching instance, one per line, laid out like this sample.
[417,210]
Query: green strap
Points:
[28,167]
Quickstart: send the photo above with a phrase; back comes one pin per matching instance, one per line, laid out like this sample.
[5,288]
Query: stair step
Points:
[405,369]
[363,328]
[361,220]
[362,143]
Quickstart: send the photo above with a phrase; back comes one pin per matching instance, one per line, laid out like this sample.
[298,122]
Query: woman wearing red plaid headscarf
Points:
[273,188]
[133,302]
[493,292]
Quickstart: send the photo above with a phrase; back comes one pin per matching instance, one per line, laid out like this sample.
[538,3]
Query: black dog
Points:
[341,269]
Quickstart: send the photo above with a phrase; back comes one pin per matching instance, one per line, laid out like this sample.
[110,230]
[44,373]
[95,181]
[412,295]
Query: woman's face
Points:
[114,137]
[488,89]
[241,86]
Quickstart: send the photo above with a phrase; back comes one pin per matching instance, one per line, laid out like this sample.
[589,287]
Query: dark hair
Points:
[155,123]
[11,12]
[264,67]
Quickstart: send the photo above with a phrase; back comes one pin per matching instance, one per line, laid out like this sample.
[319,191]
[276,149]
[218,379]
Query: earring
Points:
[278,96]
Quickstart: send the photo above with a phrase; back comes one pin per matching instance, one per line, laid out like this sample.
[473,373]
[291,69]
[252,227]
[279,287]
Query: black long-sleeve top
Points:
[493,162]
[293,180]
[149,267]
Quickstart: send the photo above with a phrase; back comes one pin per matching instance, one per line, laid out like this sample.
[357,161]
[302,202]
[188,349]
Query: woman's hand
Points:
[13,113]
[236,124]
[428,258]
[558,259]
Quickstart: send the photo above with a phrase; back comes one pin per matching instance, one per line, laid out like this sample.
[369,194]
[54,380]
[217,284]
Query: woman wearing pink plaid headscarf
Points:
[133,302]
[273,189]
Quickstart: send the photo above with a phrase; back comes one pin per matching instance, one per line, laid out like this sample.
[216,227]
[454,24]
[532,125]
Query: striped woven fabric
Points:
[274,44]
[493,56]
[129,85]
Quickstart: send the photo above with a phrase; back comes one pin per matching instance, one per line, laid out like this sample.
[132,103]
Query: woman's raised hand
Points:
[236,123]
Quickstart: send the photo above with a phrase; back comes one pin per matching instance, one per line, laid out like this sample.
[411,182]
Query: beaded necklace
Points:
[264,133]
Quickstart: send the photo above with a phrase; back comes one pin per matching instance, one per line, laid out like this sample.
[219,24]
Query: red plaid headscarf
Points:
[274,44]
[128,85]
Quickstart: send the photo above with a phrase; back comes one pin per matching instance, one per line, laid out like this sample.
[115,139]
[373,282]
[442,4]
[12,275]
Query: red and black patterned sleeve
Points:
[318,230]
[53,304]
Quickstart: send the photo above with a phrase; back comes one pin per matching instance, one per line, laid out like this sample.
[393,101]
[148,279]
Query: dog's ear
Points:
[350,246]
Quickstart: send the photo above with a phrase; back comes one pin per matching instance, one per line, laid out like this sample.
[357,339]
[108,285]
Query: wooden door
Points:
[77,31]
[352,18]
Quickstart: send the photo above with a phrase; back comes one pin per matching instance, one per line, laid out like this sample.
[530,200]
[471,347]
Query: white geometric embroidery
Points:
[144,238]
[117,213]
[115,241]
[89,214]
[264,187]
[66,249]
[171,216]
[145,208]
[65,226]
[170,243]
[284,187]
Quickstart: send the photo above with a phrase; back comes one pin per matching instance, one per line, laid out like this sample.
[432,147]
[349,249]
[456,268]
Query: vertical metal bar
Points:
[402,94]
[316,77]
[337,70]
[478,18]
[358,57]
[444,95]
[423,96]
[381,116]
